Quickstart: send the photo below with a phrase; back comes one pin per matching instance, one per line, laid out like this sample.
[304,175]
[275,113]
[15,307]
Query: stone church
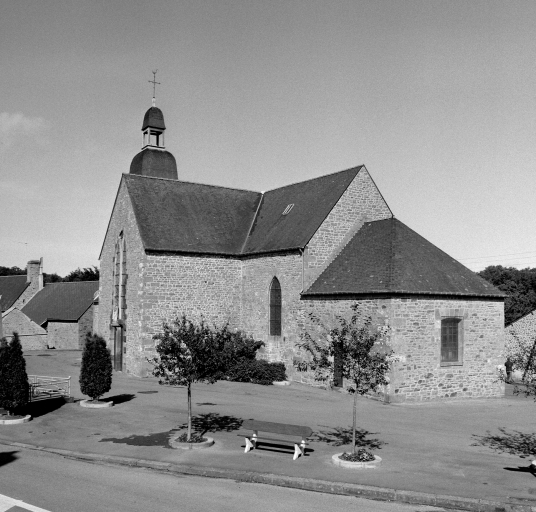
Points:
[263,260]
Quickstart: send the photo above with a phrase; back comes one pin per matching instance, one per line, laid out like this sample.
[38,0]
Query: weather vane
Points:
[154,82]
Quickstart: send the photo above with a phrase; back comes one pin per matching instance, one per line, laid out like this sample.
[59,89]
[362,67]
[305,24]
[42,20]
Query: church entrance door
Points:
[119,343]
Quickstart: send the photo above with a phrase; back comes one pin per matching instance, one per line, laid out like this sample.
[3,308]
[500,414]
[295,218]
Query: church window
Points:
[119,280]
[451,341]
[275,307]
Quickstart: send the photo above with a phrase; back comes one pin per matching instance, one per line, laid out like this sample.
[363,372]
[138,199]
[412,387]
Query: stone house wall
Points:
[85,325]
[32,336]
[520,336]
[361,202]
[35,284]
[63,335]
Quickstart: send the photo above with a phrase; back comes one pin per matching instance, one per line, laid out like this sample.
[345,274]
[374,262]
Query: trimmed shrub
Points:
[257,371]
[14,387]
[96,368]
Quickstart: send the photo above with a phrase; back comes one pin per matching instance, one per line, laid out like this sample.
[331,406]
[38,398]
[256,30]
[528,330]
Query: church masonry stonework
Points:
[329,242]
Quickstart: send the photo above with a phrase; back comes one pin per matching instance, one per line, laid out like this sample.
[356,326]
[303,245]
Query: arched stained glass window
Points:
[275,307]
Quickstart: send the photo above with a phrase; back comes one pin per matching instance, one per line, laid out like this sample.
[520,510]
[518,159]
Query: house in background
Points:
[520,336]
[15,293]
[64,311]
[262,261]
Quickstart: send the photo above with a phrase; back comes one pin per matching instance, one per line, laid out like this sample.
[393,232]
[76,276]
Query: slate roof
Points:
[65,302]
[156,163]
[312,200]
[387,257]
[11,288]
[178,216]
[153,118]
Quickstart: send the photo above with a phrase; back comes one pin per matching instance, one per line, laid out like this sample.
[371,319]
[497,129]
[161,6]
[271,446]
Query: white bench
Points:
[294,432]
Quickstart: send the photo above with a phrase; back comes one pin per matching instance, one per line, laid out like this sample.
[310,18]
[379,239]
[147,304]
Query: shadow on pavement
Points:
[7,457]
[42,407]
[155,439]
[338,436]
[121,399]
[523,469]
[514,442]
[213,422]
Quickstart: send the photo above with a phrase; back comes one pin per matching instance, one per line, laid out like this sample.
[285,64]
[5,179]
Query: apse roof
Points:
[387,257]
[63,302]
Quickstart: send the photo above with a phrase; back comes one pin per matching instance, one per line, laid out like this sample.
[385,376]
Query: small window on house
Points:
[288,208]
[451,341]
[275,307]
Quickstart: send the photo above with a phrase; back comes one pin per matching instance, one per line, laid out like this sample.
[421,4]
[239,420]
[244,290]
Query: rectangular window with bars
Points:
[451,338]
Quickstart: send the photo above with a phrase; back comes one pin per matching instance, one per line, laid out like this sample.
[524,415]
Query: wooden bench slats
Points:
[277,428]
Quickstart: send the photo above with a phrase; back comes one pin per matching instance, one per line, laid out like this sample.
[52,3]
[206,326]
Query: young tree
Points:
[14,387]
[96,368]
[351,348]
[188,352]
[522,354]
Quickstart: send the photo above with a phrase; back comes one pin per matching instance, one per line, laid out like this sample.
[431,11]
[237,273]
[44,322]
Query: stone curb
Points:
[305,484]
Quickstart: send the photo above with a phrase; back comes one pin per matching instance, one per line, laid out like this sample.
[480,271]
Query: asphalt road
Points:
[57,484]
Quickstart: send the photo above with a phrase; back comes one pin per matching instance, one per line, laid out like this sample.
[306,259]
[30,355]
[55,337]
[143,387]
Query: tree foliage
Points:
[83,274]
[12,271]
[188,352]
[354,348]
[14,387]
[96,368]
[519,285]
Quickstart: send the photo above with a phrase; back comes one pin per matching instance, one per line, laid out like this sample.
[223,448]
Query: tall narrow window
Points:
[451,350]
[275,307]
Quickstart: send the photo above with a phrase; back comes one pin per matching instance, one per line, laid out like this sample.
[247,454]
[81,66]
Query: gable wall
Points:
[361,202]
[122,219]
[257,275]
[32,336]
[416,338]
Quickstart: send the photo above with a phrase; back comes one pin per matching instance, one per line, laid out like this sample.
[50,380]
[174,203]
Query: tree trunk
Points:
[353,422]
[189,438]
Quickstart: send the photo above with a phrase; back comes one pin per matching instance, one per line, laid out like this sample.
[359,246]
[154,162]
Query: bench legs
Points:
[299,449]
[251,442]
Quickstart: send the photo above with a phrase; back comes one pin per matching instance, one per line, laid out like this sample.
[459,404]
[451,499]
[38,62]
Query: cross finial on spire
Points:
[154,82]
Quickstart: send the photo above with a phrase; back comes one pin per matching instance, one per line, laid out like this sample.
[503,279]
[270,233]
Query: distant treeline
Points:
[80,274]
[519,286]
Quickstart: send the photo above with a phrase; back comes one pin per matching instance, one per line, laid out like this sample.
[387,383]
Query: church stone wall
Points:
[85,325]
[123,219]
[361,202]
[257,274]
[416,338]
[198,286]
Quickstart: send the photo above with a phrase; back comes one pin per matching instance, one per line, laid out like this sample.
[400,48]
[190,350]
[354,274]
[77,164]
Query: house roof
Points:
[11,288]
[65,302]
[179,216]
[387,257]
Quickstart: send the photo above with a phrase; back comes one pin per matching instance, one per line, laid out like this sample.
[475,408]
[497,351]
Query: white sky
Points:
[436,98]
